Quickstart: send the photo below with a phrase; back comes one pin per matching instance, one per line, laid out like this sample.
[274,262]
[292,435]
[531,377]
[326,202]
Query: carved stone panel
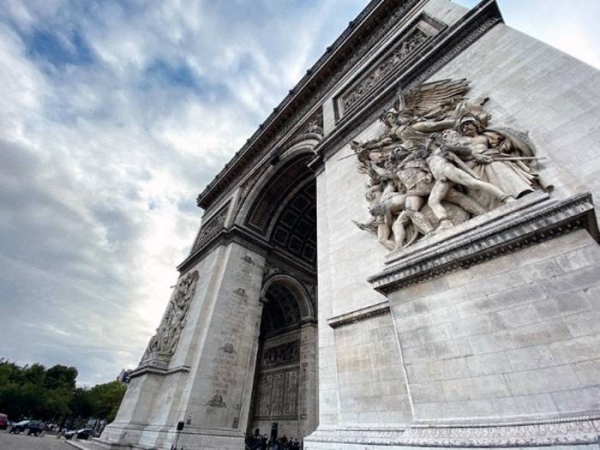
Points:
[282,354]
[278,394]
[211,228]
[440,163]
[265,391]
[291,401]
[402,51]
[163,344]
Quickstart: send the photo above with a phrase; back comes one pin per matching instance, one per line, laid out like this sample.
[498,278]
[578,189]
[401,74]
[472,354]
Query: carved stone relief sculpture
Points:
[408,46]
[282,354]
[439,163]
[211,228]
[163,344]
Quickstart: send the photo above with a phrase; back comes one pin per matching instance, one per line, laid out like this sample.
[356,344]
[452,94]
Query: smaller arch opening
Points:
[280,384]
[282,311]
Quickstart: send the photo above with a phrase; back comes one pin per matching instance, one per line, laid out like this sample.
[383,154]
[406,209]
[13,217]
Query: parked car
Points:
[83,433]
[34,427]
[3,421]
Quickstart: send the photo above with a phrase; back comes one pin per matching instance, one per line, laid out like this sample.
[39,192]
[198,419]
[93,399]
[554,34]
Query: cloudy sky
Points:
[114,115]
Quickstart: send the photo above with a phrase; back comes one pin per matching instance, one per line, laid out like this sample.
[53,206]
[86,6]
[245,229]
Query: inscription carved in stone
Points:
[439,163]
[165,341]
[278,394]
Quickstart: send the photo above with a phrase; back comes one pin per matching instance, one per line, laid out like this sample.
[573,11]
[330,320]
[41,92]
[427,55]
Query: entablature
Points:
[302,105]
[430,56]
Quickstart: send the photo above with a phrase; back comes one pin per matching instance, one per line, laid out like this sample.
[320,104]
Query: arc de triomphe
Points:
[403,254]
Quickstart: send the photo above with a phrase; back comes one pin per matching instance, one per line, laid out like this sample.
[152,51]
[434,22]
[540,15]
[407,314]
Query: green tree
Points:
[60,388]
[106,399]
[82,404]
[32,391]
[61,377]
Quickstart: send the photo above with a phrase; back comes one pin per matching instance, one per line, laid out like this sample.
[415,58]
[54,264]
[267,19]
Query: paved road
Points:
[24,442]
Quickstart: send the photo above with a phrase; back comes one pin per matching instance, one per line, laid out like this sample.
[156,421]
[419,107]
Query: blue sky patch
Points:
[43,45]
[180,75]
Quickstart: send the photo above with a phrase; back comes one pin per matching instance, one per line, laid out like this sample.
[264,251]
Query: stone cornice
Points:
[375,20]
[155,370]
[531,220]
[378,309]
[420,66]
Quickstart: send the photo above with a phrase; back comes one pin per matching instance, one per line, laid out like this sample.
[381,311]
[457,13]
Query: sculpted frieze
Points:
[439,163]
[343,63]
[211,228]
[163,344]
[282,354]
[389,64]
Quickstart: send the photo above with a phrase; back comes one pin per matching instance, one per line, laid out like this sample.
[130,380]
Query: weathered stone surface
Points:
[482,335]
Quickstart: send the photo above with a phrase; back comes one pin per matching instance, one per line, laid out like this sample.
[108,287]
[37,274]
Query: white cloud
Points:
[105,146]
[114,116]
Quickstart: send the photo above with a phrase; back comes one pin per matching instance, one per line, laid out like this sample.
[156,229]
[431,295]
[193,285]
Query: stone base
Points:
[531,220]
[582,431]
[128,436]
[148,438]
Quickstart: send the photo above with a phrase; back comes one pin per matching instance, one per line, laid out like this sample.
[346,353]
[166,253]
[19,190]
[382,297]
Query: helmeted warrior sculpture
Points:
[438,164]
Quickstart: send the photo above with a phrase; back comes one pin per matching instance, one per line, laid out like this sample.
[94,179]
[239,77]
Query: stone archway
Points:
[281,208]
[284,397]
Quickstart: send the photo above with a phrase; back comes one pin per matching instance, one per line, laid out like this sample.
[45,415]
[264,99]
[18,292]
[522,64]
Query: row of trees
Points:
[32,391]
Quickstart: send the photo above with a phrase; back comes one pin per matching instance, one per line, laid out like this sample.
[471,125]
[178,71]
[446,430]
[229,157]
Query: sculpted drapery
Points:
[439,163]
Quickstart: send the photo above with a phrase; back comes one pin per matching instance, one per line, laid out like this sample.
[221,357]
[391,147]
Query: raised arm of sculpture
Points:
[446,163]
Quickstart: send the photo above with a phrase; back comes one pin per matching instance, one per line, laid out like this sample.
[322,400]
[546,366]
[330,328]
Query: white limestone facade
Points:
[483,335]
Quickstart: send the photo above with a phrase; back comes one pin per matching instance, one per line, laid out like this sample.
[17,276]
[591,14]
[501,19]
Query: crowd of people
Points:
[264,442]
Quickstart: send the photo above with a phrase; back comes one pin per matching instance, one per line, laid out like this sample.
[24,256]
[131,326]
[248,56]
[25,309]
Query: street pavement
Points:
[24,442]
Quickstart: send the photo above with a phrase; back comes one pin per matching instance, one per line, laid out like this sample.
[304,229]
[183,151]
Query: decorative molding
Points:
[359,315]
[156,370]
[422,29]
[311,90]
[535,218]
[211,228]
[367,84]
[433,56]
[271,269]
[281,354]
[313,126]
[356,437]
[251,241]
[571,431]
[566,432]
